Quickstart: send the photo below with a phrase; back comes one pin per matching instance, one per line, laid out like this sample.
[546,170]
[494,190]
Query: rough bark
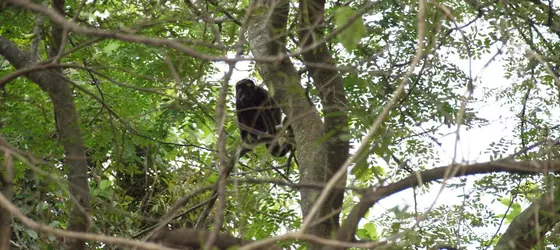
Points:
[328,81]
[269,21]
[184,237]
[70,136]
[6,182]
[530,226]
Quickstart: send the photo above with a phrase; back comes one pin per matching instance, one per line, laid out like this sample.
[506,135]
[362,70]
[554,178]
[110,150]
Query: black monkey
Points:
[259,117]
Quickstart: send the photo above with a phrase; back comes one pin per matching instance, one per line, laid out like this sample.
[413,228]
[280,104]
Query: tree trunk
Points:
[328,82]
[266,36]
[7,190]
[70,136]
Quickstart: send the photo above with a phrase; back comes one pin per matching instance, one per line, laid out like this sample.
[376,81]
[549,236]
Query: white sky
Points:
[472,146]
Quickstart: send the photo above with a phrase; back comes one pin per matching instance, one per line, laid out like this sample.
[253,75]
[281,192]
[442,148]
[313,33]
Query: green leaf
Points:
[104,184]
[55,224]
[361,169]
[32,233]
[110,48]
[362,234]
[371,230]
[213,178]
[351,35]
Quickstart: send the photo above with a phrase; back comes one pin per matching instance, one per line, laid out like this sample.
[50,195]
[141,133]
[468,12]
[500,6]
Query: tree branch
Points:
[68,127]
[328,82]
[529,227]
[348,228]
[267,37]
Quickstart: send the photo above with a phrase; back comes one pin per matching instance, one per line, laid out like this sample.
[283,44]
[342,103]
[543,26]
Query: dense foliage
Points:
[147,93]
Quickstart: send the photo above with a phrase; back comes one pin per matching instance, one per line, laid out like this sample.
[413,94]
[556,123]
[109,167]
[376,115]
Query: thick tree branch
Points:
[267,37]
[348,228]
[529,227]
[328,82]
[6,184]
[40,227]
[183,237]
[68,127]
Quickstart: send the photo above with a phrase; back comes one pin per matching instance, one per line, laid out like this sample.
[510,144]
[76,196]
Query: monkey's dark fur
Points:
[259,117]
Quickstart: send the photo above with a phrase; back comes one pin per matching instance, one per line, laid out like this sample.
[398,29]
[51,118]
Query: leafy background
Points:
[148,117]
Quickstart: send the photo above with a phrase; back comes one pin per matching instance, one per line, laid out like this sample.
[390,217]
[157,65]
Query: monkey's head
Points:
[245,91]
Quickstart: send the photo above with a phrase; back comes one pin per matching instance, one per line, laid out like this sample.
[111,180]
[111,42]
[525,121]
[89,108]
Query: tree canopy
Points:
[118,126]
